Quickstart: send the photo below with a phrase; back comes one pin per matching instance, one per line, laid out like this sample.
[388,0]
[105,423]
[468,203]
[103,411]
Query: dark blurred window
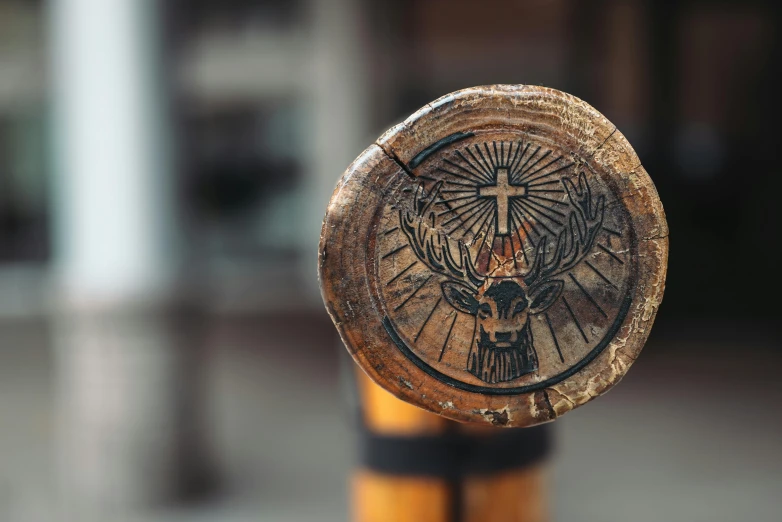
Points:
[24,204]
[241,176]
[238,119]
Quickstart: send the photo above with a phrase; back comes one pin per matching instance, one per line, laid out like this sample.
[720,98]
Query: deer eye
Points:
[484,310]
[520,307]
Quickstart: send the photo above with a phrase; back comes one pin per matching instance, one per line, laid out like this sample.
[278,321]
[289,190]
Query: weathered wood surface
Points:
[498,257]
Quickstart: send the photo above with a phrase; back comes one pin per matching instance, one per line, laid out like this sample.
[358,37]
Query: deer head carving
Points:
[503,301]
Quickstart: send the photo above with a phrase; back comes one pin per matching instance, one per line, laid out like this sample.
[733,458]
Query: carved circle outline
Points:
[518,390]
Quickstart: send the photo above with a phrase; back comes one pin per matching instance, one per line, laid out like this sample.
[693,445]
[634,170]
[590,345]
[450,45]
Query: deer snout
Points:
[501,337]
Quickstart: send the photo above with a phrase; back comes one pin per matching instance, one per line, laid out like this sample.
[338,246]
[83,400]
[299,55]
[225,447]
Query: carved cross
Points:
[503,191]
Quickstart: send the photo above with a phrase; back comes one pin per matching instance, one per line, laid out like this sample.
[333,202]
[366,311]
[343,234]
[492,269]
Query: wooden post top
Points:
[498,257]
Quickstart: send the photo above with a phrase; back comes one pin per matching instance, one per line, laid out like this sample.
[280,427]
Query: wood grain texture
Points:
[498,257]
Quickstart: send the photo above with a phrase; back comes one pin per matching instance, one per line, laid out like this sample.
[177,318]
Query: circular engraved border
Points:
[488,390]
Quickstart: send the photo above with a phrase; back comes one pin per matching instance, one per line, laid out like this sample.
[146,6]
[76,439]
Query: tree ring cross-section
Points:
[498,257]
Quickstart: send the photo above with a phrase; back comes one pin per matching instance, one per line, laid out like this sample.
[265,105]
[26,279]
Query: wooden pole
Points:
[438,471]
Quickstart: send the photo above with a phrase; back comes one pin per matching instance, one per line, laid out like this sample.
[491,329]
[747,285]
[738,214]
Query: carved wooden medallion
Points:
[498,257]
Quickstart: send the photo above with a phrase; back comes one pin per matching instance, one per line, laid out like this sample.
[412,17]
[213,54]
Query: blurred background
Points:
[164,169]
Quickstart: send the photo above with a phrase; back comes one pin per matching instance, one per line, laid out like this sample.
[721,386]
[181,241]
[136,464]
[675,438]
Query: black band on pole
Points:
[455,454]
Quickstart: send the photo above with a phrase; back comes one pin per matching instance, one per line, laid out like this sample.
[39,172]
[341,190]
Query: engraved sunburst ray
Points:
[499,193]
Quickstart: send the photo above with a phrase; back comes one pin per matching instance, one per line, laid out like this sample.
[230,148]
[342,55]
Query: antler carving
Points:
[433,247]
[575,240]
[453,259]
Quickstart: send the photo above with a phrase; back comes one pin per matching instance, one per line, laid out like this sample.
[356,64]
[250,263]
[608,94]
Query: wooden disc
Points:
[498,257]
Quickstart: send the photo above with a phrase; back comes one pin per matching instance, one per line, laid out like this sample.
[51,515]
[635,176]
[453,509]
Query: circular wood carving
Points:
[498,257]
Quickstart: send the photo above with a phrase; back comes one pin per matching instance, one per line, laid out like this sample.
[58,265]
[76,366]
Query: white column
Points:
[121,378]
[112,193]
